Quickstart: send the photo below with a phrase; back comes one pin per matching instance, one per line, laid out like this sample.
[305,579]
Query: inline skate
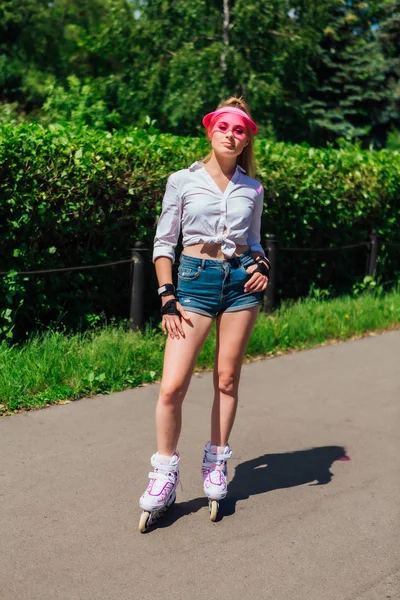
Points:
[215,473]
[160,494]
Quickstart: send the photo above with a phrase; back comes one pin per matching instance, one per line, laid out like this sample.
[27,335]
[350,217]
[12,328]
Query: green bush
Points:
[71,195]
[329,198]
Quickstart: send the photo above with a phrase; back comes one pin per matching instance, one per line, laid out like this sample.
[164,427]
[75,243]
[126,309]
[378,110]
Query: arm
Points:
[258,281]
[254,235]
[163,267]
[169,224]
[167,233]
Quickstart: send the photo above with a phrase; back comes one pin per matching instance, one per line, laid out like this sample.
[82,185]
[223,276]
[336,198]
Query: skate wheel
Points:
[144,517]
[213,506]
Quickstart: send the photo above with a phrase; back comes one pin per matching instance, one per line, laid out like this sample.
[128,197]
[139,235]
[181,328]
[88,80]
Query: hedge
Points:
[71,195]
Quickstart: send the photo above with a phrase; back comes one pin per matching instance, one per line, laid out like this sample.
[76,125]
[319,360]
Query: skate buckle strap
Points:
[218,457]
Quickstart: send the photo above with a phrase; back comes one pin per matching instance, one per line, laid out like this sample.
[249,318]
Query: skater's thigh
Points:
[233,334]
[181,354]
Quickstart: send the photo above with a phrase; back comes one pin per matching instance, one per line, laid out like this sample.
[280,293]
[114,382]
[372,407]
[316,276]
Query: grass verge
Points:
[57,367]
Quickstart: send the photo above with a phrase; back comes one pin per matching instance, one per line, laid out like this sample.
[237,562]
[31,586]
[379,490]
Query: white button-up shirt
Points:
[194,202]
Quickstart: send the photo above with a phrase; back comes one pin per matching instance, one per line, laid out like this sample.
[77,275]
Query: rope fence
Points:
[272,250]
[64,269]
[326,249]
[136,312]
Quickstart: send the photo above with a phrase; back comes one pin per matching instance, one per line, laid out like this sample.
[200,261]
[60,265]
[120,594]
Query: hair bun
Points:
[235,102]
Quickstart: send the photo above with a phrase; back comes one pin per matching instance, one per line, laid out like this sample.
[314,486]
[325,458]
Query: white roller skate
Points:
[215,473]
[161,491]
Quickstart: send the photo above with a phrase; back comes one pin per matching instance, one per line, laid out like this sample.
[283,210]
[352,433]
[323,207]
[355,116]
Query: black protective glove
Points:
[169,308]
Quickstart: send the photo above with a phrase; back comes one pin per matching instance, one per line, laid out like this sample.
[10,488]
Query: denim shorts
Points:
[209,287]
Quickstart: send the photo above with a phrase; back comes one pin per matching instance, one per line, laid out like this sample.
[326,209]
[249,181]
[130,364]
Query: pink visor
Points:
[230,109]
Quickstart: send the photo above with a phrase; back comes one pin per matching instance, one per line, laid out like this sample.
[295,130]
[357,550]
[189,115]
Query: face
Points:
[228,134]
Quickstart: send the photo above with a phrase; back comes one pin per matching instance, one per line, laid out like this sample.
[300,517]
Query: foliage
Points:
[351,99]
[312,71]
[82,103]
[389,39]
[73,196]
[328,198]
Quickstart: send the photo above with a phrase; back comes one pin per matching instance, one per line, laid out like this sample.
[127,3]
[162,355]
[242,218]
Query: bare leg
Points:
[233,333]
[179,361]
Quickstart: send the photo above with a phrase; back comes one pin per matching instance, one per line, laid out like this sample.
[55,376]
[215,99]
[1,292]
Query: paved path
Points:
[299,523]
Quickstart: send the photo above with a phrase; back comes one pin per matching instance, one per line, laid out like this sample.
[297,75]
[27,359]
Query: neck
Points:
[227,165]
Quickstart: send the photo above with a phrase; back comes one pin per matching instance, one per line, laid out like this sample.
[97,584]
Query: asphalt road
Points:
[313,506]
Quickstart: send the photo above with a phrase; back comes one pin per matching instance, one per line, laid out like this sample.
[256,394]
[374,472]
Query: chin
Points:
[225,150]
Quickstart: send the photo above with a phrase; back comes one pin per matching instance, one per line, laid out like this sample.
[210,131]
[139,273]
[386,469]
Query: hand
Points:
[257,283]
[172,324]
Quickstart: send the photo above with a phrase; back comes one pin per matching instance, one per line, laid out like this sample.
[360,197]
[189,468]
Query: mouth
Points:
[228,145]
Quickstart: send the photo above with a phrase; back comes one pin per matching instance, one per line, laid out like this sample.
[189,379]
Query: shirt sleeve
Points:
[254,234]
[169,223]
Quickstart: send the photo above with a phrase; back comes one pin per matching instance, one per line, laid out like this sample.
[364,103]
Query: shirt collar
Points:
[198,165]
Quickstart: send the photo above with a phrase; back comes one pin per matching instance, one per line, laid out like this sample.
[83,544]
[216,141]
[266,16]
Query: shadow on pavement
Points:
[276,471]
[264,474]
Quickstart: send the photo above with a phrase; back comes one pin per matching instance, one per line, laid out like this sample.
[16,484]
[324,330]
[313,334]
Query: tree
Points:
[388,36]
[43,43]
[310,70]
[351,97]
[219,48]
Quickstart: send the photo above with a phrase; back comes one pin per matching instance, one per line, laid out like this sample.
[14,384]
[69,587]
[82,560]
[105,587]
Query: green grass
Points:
[56,367]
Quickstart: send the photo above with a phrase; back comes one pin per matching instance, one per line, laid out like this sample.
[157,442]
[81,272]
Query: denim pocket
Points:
[246,262]
[188,272]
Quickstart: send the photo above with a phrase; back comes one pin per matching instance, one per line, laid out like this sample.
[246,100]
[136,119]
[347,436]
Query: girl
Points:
[221,275]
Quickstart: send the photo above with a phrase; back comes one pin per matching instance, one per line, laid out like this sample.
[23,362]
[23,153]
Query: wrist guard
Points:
[169,308]
[166,290]
[263,266]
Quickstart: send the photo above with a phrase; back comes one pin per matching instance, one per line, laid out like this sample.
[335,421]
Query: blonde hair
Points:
[246,158]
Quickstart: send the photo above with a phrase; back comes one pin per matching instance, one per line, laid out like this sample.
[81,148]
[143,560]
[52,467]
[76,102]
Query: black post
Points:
[136,316]
[373,254]
[271,252]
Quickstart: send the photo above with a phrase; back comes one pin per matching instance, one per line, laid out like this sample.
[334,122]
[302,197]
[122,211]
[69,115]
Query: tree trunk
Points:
[225,37]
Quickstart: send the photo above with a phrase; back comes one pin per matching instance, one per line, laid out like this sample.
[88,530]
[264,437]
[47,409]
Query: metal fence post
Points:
[373,254]
[271,252]
[136,315]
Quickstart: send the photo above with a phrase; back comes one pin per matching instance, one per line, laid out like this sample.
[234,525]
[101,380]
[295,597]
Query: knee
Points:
[227,383]
[171,394]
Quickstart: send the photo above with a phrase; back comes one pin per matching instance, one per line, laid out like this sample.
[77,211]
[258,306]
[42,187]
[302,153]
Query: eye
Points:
[222,126]
[239,130]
